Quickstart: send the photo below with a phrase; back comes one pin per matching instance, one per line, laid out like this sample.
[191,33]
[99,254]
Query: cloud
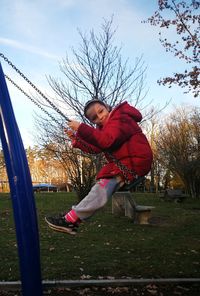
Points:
[28,48]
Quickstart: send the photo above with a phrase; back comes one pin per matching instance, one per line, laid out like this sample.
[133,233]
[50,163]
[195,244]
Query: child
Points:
[121,139]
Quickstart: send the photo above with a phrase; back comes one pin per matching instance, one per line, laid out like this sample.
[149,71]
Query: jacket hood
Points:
[125,109]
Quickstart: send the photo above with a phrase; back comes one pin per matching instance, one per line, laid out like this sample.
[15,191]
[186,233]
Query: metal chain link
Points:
[124,169]
[30,98]
[33,86]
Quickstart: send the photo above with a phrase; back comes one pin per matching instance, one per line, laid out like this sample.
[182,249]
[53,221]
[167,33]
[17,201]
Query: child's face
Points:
[97,114]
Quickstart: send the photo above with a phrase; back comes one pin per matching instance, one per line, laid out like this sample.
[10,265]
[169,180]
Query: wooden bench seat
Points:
[173,195]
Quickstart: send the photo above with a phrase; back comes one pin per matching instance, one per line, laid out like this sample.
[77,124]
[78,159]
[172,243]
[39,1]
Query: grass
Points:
[109,246]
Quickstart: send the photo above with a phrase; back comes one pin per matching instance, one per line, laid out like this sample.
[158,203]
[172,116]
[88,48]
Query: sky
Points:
[36,35]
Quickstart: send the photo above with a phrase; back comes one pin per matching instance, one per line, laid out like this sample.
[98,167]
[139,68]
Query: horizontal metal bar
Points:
[16,285]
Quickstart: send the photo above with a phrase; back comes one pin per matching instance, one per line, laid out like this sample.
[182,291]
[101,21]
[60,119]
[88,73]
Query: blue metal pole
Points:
[22,196]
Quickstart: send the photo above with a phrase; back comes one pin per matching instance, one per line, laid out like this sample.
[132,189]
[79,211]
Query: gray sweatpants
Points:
[96,198]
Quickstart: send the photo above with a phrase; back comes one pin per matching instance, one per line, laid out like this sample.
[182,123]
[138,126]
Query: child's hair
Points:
[90,102]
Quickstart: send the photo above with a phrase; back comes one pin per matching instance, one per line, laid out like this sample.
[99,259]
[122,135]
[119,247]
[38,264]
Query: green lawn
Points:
[108,246]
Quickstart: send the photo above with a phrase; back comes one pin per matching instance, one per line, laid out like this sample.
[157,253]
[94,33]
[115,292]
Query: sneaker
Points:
[59,223]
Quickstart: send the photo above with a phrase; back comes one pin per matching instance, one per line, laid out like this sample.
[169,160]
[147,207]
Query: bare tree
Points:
[183,17]
[179,147]
[97,70]
[151,127]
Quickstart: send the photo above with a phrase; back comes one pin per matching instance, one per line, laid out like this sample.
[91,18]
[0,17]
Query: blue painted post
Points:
[22,196]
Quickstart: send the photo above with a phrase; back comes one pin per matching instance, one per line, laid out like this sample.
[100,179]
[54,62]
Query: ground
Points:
[192,289]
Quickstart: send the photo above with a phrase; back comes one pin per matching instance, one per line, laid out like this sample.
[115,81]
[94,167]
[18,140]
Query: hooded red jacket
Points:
[122,137]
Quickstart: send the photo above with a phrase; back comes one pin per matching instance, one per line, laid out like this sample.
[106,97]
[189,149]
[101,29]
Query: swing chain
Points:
[123,168]
[32,100]
[33,86]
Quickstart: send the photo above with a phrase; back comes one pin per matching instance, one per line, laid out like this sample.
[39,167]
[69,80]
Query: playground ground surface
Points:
[111,247]
[136,290]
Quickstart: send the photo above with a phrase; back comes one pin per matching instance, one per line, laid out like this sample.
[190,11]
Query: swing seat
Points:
[123,204]
[133,184]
